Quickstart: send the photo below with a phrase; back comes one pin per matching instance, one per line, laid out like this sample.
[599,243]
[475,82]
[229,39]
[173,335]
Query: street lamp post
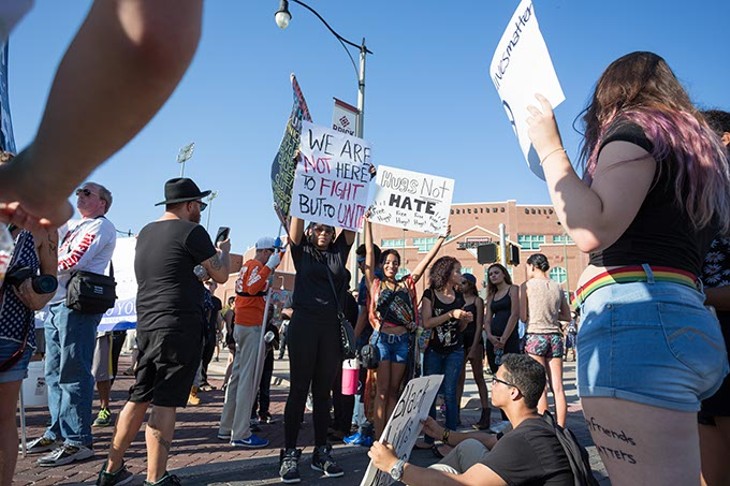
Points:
[565,257]
[210,198]
[185,154]
[283,17]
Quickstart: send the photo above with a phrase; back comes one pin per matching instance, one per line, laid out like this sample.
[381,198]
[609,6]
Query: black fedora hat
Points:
[181,189]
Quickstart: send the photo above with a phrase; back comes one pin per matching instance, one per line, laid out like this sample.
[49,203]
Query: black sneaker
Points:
[289,465]
[166,480]
[322,461]
[66,454]
[121,476]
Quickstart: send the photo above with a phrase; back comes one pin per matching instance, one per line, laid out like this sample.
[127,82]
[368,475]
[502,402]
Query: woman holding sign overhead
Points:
[393,313]
[653,195]
[313,337]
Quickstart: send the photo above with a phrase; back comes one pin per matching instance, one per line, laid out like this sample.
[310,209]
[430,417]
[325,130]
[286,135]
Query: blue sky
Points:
[430,105]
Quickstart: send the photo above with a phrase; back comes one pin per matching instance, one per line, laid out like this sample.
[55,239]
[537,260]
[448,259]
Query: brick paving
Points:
[198,457]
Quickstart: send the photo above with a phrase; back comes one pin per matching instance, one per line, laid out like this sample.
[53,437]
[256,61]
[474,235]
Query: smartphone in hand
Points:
[222,234]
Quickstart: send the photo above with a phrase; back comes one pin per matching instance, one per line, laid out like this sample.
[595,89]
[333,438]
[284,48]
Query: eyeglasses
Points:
[322,229]
[85,192]
[497,380]
[202,205]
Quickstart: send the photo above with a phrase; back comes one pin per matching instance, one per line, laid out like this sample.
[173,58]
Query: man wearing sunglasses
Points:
[529,454]
[70,335]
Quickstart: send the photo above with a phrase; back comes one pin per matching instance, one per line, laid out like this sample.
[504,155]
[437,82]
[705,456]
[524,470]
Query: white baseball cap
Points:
[265,243]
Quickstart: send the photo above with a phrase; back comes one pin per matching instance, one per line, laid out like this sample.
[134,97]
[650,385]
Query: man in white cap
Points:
[250,303]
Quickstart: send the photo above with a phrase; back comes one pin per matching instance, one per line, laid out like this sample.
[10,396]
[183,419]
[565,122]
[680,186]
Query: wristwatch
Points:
[397,471]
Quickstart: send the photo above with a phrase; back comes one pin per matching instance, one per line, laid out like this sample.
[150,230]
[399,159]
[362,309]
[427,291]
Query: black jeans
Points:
[314,358]
[209,341]
[264,395]
[343,405]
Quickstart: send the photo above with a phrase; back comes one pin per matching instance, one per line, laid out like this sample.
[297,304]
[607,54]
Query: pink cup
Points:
[350,373]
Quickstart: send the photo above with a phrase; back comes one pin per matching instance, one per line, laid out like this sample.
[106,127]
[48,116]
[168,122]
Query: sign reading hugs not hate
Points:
[332,176]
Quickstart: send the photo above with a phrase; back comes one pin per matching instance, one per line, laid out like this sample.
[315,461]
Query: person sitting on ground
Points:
[529,454]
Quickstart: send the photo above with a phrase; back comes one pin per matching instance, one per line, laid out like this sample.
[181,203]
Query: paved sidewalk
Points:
[199,458]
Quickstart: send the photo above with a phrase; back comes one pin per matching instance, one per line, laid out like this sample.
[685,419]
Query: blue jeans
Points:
[70,340]
[449,365]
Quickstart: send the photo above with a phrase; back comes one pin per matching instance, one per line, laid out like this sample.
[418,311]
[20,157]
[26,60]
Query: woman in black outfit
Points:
[503,312]
[314,339]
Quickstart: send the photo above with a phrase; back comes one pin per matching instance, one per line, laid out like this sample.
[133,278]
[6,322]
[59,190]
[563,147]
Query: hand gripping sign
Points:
[521,67]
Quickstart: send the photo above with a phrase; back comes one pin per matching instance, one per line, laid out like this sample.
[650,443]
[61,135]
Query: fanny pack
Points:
[91,293]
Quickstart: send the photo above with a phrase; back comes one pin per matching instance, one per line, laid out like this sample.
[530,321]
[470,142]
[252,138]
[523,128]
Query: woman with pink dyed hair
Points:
[655,191]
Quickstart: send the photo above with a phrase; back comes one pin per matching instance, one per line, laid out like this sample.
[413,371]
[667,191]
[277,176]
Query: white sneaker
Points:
[65,454]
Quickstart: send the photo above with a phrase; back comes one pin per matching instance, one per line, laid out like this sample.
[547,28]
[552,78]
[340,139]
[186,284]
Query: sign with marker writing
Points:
[332,177]
[412,201]
[404,424]
[282,169]
[521,67]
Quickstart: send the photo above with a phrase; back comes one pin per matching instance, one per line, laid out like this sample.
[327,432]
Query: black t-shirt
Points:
[530,455]
[313,293]
[169,295]
[661,234]
[446,337]
[215,312]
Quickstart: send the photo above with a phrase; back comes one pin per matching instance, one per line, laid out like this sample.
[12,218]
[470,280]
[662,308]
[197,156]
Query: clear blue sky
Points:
[430,105]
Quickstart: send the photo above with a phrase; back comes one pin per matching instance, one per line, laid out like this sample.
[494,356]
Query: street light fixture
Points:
[210,198]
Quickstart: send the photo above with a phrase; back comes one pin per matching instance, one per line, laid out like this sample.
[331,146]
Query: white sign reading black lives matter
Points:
[412,201]
[404,424]
[521,67]
[332,177]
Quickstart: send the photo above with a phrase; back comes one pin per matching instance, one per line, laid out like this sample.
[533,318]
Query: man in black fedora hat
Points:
[169,327]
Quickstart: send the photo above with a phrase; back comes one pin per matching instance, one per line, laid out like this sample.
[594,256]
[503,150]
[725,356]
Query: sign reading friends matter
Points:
[412,201]
[521,67]
[404,424]
[332,177]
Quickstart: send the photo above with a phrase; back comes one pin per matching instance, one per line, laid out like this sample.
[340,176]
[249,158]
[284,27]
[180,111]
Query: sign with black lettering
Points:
[332,177]
[412,201]
[521,67]
[282,169]
[404,424]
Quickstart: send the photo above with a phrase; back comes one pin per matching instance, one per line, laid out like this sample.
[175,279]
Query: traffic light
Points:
[513,254]
[487,253]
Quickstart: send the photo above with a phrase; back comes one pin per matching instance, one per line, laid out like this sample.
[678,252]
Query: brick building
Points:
[531,227]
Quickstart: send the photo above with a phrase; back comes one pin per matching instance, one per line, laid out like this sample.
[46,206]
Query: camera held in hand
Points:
[42,284]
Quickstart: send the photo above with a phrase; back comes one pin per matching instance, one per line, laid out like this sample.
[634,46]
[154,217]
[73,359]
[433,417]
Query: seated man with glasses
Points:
[529,454]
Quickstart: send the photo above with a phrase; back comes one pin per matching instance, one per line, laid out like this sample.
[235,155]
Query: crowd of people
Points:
[652,208]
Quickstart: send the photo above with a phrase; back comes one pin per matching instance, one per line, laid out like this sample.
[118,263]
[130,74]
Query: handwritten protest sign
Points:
[332,177]
[404,424]
[412,200]
[282,169]
[521,67]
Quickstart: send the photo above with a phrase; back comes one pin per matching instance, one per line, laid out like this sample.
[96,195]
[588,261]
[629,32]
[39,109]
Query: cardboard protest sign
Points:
[282,169]
[332,177]
[124,313]
[521,67]
[404,424]
[412,200]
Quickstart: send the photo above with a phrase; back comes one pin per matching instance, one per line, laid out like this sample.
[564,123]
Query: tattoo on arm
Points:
[215,262]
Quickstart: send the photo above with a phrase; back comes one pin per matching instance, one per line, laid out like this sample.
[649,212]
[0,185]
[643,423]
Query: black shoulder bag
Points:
[347,333]
[577,456]
[91,293]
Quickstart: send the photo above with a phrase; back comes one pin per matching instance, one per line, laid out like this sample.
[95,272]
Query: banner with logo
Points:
[521,67]
[332,178]
[344,117]
[412,201]
[284,165]
[404,425]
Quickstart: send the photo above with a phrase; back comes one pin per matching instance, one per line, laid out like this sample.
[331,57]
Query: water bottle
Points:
[7,244]
[498,352]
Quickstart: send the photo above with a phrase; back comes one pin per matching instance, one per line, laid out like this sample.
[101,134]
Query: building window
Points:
[558,274]
[467,270]
[397,243]
[562,239]
[530,242]
[424,244]
[402,272]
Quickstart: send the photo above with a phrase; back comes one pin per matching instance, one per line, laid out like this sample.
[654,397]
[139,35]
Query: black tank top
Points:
[501,310]
[446,337]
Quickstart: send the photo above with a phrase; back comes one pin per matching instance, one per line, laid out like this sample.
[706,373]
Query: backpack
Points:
[576,453]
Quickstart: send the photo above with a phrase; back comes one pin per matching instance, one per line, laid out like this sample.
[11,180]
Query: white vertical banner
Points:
[124,313]
[344,117]
[521,67]
[404,424]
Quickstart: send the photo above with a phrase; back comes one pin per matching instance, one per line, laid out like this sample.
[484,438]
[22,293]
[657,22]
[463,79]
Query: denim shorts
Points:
[652,343]
[392,348]
[19,371]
